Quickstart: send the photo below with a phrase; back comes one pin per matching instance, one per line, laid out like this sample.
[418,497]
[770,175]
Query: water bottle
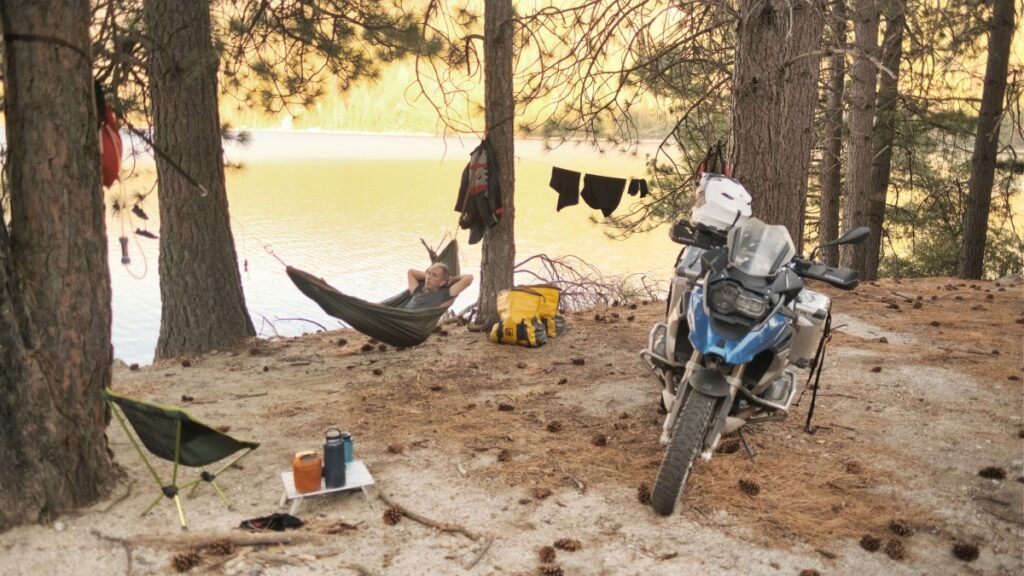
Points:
[334,459]
[349,449]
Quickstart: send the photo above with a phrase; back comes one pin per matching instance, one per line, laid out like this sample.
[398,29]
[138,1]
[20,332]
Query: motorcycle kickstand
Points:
[743,439]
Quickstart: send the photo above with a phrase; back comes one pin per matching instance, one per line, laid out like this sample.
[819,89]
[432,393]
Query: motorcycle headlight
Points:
[723,296]
[728,297]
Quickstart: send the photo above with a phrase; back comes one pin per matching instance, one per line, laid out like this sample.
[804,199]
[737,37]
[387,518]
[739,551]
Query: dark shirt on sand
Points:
[421,299]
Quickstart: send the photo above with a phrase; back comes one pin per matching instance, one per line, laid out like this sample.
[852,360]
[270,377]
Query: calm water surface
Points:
[351,209]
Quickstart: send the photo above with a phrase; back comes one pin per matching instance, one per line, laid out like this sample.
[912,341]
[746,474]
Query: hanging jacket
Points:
[479,198]
[110,136]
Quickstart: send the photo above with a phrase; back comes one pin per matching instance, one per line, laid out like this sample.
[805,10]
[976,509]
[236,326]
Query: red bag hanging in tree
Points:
[110,147]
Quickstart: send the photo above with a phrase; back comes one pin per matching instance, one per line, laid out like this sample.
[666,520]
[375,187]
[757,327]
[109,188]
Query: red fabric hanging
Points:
[110,147]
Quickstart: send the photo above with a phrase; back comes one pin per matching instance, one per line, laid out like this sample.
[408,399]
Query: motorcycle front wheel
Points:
[686,443]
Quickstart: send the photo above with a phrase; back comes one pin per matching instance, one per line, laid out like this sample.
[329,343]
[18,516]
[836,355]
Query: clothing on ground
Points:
[603,192]
[638,185]
[567,184]
[422,299]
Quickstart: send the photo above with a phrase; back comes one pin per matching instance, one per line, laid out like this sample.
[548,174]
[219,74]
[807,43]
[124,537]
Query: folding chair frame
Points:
[172,490]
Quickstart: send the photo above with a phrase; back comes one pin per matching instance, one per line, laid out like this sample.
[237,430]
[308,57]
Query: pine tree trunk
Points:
[832,160]
[202,304]
[497,261]
[863,77]
[986,141]
[55,351]
[885,132]
[774,94]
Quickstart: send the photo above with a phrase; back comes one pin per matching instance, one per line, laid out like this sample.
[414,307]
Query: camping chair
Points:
[172,434]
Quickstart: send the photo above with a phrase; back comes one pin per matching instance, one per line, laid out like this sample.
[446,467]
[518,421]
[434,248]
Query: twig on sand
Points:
[118,500]
[480,554]
[357,569]
[442,526]
[579,483]
[127,545]
[249,395]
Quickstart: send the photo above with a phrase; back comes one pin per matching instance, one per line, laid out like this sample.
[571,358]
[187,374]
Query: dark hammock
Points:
[387,321]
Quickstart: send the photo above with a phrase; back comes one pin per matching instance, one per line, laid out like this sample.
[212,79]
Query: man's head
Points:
[436,277]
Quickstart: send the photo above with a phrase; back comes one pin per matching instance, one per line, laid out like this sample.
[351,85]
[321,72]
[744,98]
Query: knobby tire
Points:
[686,443]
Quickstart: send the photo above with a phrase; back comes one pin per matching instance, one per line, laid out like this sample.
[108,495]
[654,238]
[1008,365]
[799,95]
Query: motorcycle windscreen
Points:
[759,249]
[706,341]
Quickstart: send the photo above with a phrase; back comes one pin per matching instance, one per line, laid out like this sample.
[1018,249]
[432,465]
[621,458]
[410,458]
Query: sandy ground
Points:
[521,448]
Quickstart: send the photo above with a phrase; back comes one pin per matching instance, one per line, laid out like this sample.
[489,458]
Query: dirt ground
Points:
[510,450]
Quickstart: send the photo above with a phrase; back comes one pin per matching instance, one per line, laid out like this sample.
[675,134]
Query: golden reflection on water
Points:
[352,209]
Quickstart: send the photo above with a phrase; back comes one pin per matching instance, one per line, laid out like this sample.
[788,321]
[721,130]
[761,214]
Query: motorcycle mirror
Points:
[855,236]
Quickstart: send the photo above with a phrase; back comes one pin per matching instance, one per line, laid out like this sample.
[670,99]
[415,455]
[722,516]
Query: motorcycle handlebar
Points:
[842,278]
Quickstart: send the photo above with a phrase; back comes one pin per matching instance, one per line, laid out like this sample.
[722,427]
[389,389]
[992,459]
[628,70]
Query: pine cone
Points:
[568,544]
[870,543]
[900,528]
[504,455]
[643,493]
[895,550]
[550,570]
[392,515]
[749,487]
[186,560]
[554,426]
[541,493]
[547,554]
[223,547]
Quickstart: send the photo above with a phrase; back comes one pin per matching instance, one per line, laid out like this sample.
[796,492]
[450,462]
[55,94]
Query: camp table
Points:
[356,476]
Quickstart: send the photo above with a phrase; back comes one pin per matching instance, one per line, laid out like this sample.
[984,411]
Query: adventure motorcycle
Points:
[738,325]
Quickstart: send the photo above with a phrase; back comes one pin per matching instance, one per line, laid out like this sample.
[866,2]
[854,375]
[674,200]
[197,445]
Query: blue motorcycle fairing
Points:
[706,341]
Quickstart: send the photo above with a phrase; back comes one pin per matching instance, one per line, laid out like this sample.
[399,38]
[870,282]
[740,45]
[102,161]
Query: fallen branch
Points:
[442,526]
[203,540]
[480,554]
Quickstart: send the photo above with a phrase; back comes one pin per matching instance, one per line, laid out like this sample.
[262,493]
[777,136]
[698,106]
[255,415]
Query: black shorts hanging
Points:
[603,192]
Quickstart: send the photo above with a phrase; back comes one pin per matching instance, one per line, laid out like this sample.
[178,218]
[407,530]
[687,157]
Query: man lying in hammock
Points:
[438,288]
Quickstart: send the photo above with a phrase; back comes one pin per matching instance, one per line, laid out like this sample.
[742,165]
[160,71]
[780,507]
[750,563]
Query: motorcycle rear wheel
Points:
[686,443]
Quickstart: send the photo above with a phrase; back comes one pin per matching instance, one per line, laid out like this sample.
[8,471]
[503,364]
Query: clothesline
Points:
[549,165]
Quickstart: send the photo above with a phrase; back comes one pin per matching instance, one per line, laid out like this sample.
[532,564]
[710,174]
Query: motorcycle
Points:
[739,324]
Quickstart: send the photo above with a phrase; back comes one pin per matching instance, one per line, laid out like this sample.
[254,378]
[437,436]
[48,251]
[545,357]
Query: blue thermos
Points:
[348,447]
[335,451]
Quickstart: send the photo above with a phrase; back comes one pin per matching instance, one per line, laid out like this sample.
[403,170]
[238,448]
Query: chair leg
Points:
[181,512]
[153,505]
[221,494]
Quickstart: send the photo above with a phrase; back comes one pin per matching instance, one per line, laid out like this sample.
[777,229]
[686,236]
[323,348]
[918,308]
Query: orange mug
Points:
[307,469]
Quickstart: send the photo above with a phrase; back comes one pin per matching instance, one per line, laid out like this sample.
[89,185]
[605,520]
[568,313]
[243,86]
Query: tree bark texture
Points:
[986,141]
[497,261]
[55,351]
[885,132]
[202,303]
[774,95]
[860,150]
[832,159]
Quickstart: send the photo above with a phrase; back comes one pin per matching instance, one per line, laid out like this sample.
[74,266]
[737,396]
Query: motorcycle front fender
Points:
[709,382]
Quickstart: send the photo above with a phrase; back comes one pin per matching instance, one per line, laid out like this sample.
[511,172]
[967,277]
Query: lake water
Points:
[351,209]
